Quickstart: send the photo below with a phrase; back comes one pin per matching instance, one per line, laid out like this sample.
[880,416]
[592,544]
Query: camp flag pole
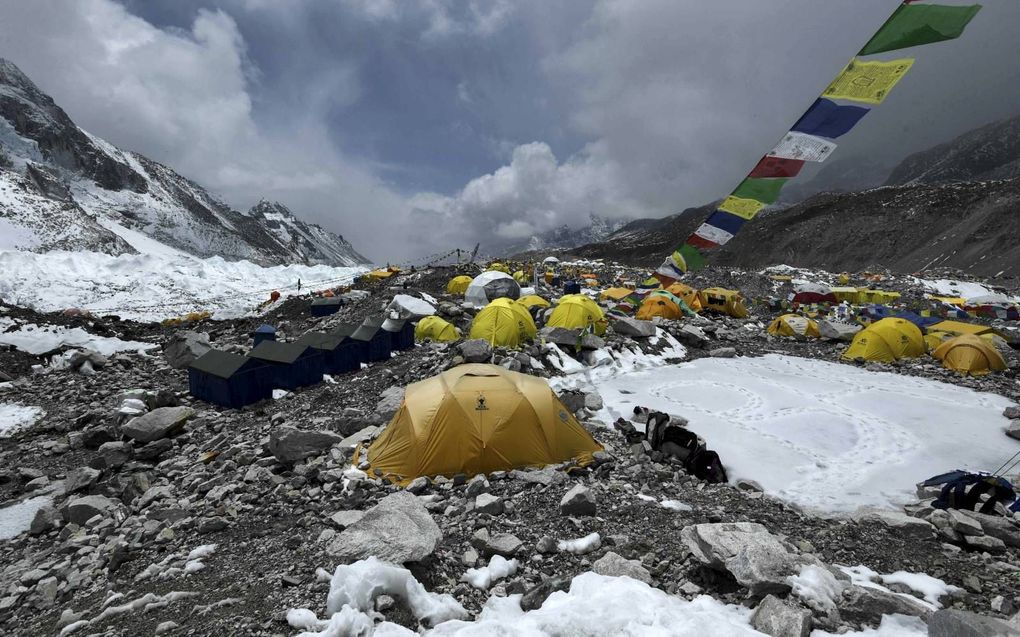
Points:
[810,138]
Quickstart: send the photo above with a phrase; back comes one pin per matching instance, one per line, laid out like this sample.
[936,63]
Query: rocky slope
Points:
[566,237]
[105,194]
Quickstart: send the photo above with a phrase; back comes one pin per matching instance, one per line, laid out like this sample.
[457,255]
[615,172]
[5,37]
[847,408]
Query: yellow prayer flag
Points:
[745,208]
[868,81]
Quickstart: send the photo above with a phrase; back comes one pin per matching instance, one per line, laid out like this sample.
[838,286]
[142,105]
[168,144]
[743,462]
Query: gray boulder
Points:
[633,327]
[389,401]
[182,348]
[723,352]
[615,565]
[112,455]
[1012,412]
[80,510]
[901,523]
[475,350]
[579,500]
[775,617]
[961,623]
[488,503]
[289,445]
[1013,431]
[838,330]
[398,529]
[503,544]
[344,519]
[755,557]
[868,605]
[158,423]
[80,479]
[45,519]
[997,526]
[560,336]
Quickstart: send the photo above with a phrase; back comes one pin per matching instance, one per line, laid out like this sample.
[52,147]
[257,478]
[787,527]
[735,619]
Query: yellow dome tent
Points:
[887,340]
[969,354]
[533,300]
[723,301]
[615,294]
[577,311]
[959,327]
[504,322]
[687,293]
[458,284]
[499,267]
[520,277]
[476,419]
[794,325]
[436,329]
[661,306]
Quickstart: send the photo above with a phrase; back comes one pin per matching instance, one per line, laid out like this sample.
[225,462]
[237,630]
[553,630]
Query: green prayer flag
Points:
[912,25]
[692,257]
[763,190]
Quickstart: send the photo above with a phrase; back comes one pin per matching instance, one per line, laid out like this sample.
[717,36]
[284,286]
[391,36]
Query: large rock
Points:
[560,336]
[838,330]
[80,479]
[579,500]
[475,350]
[290,445]
[633,327]
[158,423]
[779,619]
[113,455]
[182,348]
[755,557]
[1013,431]
[1012,412]
[398,529]
[489,504]
[615,565]
[997,526]
[389,401]
[868,605]
[80,510]
[898,522]
[961,623]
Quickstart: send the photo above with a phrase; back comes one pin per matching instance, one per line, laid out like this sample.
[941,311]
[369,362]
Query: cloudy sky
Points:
[412,126]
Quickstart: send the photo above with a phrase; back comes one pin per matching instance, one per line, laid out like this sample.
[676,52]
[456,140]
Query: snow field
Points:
[36,339]
[825,436]
[14,417]
[152,287]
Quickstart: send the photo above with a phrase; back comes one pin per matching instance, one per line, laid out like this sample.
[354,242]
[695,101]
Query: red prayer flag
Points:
[772,167]
[701,242]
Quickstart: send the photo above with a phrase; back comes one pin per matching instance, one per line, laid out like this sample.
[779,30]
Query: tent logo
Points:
[480,405]
[563,415]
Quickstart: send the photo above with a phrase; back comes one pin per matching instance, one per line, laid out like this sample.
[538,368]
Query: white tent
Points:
[551,260]
[489,286]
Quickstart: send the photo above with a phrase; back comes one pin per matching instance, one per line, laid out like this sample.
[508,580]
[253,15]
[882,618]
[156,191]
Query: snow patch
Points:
[16,518]
[498,568]
[15,417]
[582,545]
[826,436]
[36,339]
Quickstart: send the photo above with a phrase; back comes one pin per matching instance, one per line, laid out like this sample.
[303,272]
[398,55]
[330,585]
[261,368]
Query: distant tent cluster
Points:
[232,380]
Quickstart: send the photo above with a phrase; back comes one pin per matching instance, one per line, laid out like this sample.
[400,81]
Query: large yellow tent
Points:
[615,294]
[504,322]
[687,293]
[969,354]
[520,277]
[887,340]
[577,311]
[795,326]
[498,267]
[533,300]
[723,301]
[846,293]
[661,306]
[436,329]
[959,327]
[458,284]
[478,419]
[378,275]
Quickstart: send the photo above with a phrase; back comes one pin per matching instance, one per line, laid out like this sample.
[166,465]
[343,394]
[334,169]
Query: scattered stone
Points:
[779,619]
[960,623]
[868,605]
[45,519]
[578,501]
[80,510]
[182,348]
[475,350]
[755,557]
[899,522]
[398,529]
[80,479]
[632,327]
[503,544]
[113,455]
[158,423]
[615,565]
[488,503]
[1012,412]
[723,352]
[985,543]
[389,402]
[749,485]
[289,445]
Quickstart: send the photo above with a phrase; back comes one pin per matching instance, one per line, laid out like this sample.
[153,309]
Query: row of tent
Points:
[232,380]
[966,348]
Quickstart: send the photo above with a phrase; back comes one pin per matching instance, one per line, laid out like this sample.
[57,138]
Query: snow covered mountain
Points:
[62,188]
[565,237]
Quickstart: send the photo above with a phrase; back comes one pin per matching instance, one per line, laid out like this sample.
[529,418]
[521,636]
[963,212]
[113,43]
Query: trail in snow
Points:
[825,436]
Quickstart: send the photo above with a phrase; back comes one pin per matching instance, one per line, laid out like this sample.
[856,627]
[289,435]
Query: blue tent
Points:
[228,380]
[263,333]
[571,287]
[922,322]
[290,365]
[327,306]
[401,333]
[340,352]
[875,312]
[378,342]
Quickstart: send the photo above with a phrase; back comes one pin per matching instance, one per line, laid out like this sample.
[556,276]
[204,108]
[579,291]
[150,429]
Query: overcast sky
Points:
[412,126]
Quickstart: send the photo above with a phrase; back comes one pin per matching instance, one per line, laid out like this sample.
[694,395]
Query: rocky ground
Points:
[164,515]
